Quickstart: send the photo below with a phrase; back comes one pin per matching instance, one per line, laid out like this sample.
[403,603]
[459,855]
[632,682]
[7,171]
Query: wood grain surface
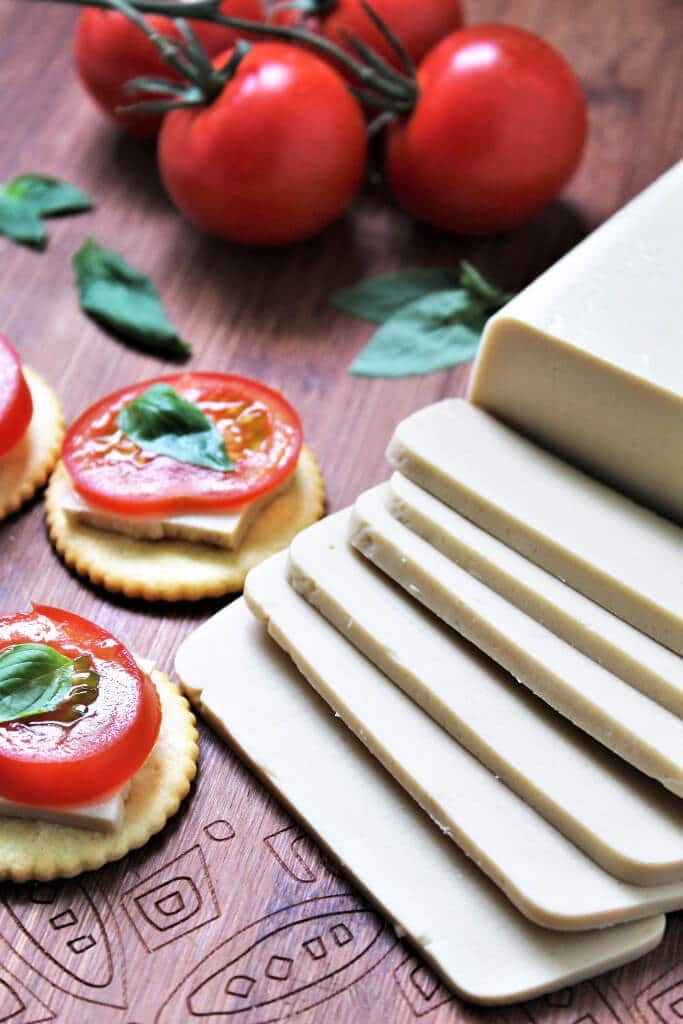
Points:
[167,934]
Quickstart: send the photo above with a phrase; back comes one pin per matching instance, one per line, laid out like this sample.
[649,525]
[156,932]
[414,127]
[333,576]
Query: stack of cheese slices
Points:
[499,635]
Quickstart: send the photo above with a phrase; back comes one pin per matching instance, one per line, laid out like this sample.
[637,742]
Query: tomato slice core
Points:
[261,430]
[51,762]
[16,405]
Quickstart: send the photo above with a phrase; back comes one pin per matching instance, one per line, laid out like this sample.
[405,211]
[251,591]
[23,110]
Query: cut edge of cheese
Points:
[625,721]
[605,638]
[218,529]
[586,359]
[422,656]
[500,957]
[619,554]
[102,816]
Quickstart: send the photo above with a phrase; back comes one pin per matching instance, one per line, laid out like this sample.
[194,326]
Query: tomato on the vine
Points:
[260,429]
[110,50]
[498,129]
[418,26]
[275,157]
[62,759]
[16,405]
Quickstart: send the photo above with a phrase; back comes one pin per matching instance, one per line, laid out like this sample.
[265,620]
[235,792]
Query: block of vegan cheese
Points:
[626,823]
[547,878]
[608,640]
[105,816]
[587,359]
[619,554]
[460,923]
[635,727]
[220,529]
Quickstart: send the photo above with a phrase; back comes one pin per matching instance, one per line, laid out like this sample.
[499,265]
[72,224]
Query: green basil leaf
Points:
[48,196]
[378,298]
[19,221]
[477,284]
[34,678]
[124,300]
[163,421]
[435,332]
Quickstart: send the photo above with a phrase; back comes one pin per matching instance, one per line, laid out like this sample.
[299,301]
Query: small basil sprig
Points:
[124,300]
[430,319]
[163,421]
[26,199]
[36,679]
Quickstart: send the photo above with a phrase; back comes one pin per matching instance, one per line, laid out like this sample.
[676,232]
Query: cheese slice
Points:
[458,921]
[636,728]
[105,816]
[626,823]
[547,878]
[219,529]
[615,552]
[587,359]
[608,640]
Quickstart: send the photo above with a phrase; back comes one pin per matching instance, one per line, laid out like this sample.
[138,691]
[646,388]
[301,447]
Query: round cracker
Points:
[40,850]
[27,466]
[175,570]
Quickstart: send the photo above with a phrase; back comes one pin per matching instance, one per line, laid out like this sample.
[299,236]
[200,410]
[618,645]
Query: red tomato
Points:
[16,405]
[418,26]
[109,50]
[56,760]
[499,127]
[275,158]
[262,435]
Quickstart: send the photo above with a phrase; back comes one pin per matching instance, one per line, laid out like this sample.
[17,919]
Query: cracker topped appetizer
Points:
[31,430]
[97,748]
[176,487]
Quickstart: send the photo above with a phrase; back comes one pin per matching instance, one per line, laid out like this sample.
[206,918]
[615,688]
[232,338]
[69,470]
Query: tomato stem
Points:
[397,91]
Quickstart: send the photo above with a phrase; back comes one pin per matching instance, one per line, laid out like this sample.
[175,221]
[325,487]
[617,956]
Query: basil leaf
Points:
[163,421]
[124,300]
[19,221]
[378,298]
[471,279]
[435,332]
[34,678]
[48,196]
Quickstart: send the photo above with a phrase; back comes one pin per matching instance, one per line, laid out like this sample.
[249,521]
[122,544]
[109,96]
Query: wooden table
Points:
[135,942]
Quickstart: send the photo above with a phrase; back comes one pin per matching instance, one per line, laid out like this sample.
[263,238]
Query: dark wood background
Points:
[129,943]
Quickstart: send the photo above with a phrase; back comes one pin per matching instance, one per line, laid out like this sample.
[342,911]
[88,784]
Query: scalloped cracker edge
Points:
[28,465]
[41,851]
[174,570]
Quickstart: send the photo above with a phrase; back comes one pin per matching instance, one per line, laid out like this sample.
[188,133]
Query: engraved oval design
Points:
[66,929]
[289,961]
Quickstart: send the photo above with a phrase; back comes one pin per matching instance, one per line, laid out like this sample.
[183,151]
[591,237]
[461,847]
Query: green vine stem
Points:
[382,86]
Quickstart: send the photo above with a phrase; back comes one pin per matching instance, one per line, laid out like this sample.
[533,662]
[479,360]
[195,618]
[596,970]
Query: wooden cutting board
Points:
[232,914]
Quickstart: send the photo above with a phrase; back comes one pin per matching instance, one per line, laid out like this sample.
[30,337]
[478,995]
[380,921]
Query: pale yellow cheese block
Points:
[608,640]
[626,823]
[627,722]
[587,360]
[459,922]
[104,816]
[619,554]
[219,529]
[547,878]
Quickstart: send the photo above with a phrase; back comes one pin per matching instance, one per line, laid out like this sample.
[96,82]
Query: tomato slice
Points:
[16,405]
[261,430]
[56,760]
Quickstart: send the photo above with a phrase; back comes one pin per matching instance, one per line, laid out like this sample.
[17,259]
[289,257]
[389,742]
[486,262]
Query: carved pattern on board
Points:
[662,1000]
[420,987]
[70,938]
[173,901]
[18,1004]
[284,963]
